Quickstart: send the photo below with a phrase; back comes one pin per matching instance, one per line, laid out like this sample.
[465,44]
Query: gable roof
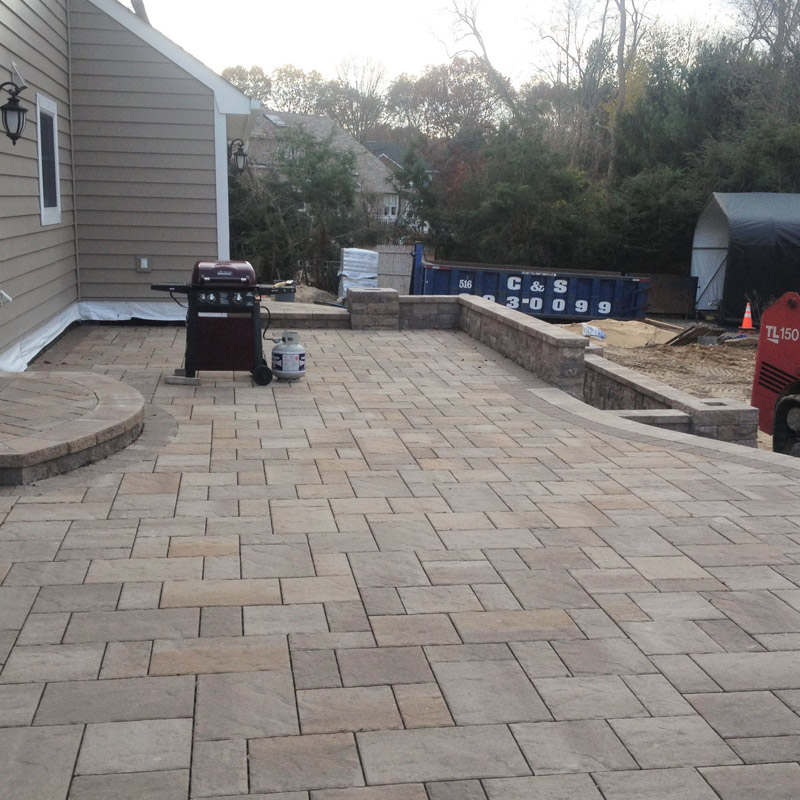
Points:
[373,175]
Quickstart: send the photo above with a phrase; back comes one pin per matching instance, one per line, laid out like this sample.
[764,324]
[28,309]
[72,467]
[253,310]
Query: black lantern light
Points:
[13,113]
[239,156]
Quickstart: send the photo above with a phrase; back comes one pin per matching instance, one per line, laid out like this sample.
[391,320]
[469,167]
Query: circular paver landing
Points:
[54,422]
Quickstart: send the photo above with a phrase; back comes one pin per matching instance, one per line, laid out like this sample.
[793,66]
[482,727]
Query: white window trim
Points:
[49,215]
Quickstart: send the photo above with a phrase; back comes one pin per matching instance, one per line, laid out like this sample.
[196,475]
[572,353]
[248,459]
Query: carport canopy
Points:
[746,248]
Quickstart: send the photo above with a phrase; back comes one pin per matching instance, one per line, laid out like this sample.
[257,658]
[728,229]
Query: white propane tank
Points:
[288,357]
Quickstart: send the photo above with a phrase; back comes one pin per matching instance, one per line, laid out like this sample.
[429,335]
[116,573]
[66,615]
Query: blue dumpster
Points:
[563,296]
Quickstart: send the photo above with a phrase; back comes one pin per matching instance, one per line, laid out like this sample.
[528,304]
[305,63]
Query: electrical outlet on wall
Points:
[143,263]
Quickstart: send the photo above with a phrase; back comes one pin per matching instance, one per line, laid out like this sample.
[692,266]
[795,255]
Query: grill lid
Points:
[223,272]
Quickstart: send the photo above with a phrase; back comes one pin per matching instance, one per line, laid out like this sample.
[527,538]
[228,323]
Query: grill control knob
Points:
[211,297]
[237,299]
[201,298]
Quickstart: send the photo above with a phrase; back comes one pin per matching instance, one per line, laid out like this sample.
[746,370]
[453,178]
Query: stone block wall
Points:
[437,312]
[374,309]
[612,386]
[549,352]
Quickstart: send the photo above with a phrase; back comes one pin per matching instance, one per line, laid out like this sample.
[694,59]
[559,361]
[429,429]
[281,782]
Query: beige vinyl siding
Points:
[37,263]
[144,161]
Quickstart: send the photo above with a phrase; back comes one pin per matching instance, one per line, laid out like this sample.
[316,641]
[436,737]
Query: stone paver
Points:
[116,700]
[768,781]
[300,763]
[349,709]
[141,746]
[38,762]
[162,785]
[578,746]
[384,666]
[555,787]
[416,574]
[661,742]
[655,785]
[438,754]
[486,692]
[245,705]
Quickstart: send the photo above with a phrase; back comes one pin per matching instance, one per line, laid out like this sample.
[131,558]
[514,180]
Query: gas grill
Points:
[223,318]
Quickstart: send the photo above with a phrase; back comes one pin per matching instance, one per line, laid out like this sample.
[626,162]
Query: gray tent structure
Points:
[746,249]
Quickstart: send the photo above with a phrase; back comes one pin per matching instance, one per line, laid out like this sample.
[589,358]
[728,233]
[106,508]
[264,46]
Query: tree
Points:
[355,100]
[303,209]
[657,125]
[447,99]
[296,91]
[253,82]
[772,24]
[763,157]
[523,204]
[578,84]
[653,215]
[466,27]
[417,193]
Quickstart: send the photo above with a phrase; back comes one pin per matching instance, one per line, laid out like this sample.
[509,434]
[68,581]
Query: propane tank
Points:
[288,357]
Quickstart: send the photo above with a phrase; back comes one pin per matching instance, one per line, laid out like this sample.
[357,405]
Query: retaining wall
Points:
[560,358]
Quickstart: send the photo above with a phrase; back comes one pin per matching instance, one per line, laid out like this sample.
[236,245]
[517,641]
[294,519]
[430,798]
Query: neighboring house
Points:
[393,156]
[132,186]
[373,178]
[389,153]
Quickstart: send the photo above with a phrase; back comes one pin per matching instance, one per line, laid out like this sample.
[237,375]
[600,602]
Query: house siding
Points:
[144,144]
[37,263]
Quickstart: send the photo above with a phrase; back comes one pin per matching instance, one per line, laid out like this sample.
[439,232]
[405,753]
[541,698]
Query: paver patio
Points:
[412,575]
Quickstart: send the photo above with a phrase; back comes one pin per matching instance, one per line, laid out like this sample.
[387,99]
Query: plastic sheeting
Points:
[17,357]
[119,311]
[359,270]
[746,249]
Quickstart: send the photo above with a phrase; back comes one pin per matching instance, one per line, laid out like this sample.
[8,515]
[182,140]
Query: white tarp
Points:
[17,357]
[359,270]
[120,310]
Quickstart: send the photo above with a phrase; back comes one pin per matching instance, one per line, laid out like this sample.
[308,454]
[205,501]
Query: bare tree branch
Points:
[466,27]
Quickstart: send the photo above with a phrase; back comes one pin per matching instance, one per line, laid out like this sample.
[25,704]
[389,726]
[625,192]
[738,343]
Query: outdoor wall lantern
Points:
[13,113]
[239,156]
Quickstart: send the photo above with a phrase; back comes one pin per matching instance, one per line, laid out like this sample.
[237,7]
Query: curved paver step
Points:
[55,422]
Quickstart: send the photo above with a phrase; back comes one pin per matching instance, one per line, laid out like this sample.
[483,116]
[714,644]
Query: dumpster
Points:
[560,296]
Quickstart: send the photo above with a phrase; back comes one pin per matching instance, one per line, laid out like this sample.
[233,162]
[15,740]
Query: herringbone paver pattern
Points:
[411,576]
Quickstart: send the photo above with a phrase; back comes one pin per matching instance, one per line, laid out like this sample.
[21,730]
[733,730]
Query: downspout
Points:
[221,179]
[68,5]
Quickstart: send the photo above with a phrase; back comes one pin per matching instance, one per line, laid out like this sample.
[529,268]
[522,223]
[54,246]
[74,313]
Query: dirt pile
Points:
[624,333]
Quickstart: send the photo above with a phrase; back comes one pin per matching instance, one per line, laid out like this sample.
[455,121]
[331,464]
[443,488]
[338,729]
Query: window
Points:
[49,186]
[390,205]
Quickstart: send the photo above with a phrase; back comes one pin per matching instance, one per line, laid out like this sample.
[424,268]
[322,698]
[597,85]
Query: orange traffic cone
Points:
[747,320]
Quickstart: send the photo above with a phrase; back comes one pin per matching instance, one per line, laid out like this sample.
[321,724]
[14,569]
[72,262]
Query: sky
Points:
[405,36]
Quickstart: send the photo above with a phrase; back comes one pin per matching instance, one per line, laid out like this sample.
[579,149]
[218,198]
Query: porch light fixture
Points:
[12,112]
[239,156]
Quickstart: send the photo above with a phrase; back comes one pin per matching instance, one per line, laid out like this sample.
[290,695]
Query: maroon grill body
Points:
[223,320]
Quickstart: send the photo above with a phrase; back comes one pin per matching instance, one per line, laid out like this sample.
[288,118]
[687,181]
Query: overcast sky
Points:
[404,36]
